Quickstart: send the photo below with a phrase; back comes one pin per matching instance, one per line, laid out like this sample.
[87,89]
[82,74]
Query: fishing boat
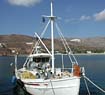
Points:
[39,74]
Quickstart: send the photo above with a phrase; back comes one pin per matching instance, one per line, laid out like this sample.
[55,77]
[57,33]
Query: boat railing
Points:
[75,71]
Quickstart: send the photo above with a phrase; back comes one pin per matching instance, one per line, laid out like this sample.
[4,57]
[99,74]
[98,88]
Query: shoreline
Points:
[61,54]
[84,54]
[91,54]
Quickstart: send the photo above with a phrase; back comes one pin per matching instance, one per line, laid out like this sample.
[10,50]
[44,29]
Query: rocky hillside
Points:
[10,44]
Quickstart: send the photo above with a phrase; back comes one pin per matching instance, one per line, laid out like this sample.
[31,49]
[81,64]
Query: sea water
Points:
[94,69]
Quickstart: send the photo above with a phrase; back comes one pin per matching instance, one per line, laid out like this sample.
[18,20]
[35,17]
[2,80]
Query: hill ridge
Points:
[23,44]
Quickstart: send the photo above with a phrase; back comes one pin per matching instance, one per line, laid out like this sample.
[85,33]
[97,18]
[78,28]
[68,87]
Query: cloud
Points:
[83,17]
[26,3]
[70,20]
[100,16]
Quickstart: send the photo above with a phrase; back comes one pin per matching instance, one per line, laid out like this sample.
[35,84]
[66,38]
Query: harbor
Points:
[53,63]
[94,65]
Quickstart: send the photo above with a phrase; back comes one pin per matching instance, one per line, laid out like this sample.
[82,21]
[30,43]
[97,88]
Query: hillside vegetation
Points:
[11,44]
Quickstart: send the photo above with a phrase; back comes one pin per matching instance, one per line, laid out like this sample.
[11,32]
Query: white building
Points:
[75,40]
[89,52]
[29,43]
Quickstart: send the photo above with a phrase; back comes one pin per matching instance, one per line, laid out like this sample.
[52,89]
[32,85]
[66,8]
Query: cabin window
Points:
[37,60]
[43,59]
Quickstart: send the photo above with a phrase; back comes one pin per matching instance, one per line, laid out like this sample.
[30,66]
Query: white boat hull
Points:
[66,86]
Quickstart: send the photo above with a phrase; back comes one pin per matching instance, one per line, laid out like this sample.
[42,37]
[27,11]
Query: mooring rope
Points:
[52,87]
[87,86]
[94,84]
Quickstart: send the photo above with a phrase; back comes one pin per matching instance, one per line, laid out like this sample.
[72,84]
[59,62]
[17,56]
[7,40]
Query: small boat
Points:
[39,75]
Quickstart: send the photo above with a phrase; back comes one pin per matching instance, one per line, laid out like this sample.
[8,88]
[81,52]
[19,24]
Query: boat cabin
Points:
[38,61]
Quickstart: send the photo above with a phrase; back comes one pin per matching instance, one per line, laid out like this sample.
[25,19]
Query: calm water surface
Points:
[94,67]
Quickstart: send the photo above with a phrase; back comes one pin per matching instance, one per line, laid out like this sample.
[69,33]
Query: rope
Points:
[37,43]
[52,87]
[42,34]
[86,86]
[95,84]
[66,45]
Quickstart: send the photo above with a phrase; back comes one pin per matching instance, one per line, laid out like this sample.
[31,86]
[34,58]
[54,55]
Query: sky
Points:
[76,18]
